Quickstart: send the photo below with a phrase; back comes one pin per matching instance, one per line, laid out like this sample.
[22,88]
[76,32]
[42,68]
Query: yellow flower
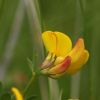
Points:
[61,56]
[17,94]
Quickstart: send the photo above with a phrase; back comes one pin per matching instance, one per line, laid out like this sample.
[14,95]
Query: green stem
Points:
[29,84]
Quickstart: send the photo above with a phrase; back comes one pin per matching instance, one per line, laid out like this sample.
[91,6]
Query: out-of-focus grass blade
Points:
[90,76]
[60,95]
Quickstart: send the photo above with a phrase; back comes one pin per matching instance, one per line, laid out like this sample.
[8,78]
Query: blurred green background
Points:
[22,21]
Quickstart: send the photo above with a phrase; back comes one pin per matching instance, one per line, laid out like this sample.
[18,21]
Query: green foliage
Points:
[5,96]
[1,87]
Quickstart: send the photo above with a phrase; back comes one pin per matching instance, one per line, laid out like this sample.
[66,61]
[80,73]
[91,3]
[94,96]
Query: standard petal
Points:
[57,42]
[74,67]
[17,94]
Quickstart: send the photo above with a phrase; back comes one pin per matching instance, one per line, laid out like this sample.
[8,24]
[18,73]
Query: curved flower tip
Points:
[62,58]
[75,67]
[77,50]
[17,93]
[79,56]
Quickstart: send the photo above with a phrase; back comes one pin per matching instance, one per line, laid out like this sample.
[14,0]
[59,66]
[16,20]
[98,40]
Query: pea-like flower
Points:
[17,93]
[62,58]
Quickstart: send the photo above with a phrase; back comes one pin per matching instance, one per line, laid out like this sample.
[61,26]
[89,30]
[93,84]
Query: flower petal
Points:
[49,61]
[58,60]
[74,67]
[17,94]
[60,68]
[57,42]
[76,52]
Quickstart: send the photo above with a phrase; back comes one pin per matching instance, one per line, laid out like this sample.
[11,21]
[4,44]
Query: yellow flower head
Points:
[62,57]
[17,94]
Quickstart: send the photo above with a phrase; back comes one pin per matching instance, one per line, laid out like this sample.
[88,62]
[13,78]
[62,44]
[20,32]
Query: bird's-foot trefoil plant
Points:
[62,57]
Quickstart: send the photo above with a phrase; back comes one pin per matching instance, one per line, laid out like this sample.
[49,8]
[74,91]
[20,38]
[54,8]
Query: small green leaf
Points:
[31,65]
